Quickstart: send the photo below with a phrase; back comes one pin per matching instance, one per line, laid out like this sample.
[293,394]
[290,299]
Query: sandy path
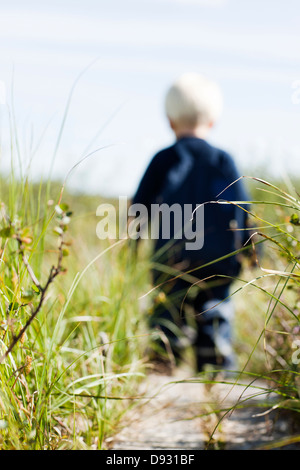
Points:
[169,420]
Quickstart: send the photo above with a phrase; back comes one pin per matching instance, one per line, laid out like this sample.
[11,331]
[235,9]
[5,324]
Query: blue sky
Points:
[252,48]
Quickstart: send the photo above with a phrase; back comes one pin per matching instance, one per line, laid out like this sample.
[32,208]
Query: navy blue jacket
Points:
[193,172]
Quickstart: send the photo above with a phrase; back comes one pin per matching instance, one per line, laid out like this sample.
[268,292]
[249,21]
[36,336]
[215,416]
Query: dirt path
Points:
[171,419]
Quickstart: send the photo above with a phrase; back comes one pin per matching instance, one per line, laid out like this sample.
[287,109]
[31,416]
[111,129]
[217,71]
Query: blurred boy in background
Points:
[197,309]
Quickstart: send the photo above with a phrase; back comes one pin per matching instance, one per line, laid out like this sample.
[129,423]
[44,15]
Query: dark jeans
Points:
[198,316]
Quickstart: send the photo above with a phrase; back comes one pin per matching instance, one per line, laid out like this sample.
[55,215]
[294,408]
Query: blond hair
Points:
[193,100]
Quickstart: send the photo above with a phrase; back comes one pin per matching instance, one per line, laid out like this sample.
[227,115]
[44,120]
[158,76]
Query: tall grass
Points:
[68,378]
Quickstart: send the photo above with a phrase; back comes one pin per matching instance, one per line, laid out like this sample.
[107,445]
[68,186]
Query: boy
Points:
[186,175]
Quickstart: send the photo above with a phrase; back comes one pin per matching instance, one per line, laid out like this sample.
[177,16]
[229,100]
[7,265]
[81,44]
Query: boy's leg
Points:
[214,324]
[169,317]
